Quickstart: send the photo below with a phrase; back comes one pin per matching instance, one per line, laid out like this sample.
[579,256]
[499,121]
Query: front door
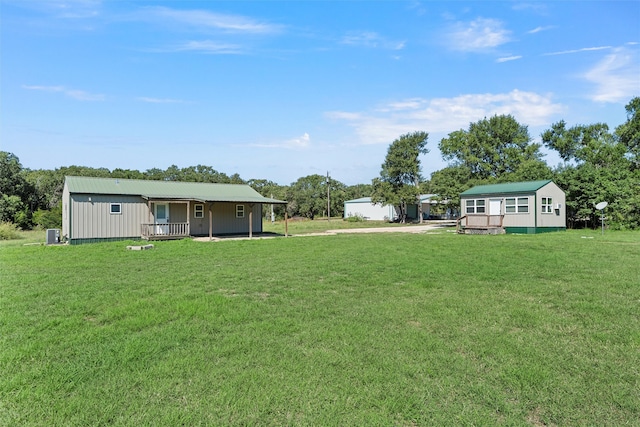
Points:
[162,218]
[494,206]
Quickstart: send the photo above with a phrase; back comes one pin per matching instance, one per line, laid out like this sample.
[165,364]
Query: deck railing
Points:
[172,230]
[479,221]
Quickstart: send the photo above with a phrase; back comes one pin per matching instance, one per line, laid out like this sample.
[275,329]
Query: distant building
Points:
[379,212]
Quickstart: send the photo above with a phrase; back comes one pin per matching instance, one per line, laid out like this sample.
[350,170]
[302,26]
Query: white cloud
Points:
[478,35]
[540,29]
[160,100]
[509,58]
[79,95]
[616,76]
[300,142]
[210,47]
[372,40]
[209,20]
[444,115]
[584,49]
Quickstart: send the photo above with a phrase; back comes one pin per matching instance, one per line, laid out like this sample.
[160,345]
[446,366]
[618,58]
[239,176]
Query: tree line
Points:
[598,165]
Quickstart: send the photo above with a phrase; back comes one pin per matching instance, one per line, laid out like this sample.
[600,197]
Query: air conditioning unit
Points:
[559,206]
[53,236]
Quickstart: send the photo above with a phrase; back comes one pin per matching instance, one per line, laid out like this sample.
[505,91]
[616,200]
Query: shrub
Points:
[48,218]
[9,231]
[355,218]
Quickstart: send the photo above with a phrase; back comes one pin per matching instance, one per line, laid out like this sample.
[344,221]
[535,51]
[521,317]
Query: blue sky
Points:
[280,90]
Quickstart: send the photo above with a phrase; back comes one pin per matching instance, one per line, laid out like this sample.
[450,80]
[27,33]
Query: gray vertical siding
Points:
[93,219]
[558,217]
[65,211]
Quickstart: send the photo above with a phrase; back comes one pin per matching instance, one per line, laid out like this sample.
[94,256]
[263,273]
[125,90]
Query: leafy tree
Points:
[48,218]
[591,144]
[448,183]
[597,170]
[398,184]
[12,180]
[493,150]
[629,132]
[308,196]
[13,210]
[15,191]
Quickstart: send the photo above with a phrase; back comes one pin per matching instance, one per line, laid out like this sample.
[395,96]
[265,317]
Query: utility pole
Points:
[419,200]
[328,199]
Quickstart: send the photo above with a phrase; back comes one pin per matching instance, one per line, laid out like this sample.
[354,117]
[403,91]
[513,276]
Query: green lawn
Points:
[347,330]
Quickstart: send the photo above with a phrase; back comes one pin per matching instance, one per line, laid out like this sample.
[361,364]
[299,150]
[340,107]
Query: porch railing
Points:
[165,231]
[479,221]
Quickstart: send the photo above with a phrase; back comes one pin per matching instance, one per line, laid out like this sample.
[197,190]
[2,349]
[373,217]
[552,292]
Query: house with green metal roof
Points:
[96,209]
[516,207]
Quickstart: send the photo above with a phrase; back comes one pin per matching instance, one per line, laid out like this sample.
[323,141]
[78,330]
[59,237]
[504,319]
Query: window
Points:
[198,211]
[523,204]
[547,205]
[115,208]
[475,206]
[239,211]
[519,205]
[510,205]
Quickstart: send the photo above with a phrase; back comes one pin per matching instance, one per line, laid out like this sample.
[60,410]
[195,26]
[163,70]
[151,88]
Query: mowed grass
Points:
[379,329]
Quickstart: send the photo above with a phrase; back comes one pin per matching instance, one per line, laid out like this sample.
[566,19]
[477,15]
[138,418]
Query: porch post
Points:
[188,226]
[210,221]
[250,221]
[286,224]
[146,227]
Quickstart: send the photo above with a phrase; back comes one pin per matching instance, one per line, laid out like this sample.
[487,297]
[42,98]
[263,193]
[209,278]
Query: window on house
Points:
[239,211]
[198,211]
[523,204]
[475,206]
[547,205]
[510,205]
[115,208]
[516,205]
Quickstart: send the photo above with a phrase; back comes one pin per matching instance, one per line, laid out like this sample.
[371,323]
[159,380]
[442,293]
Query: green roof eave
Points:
[506,188]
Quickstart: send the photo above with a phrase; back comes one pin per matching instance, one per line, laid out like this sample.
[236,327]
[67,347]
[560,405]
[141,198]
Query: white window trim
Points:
[119,205]
[547,208]
[516,205]
[474,206]
[198,213]
[239,211]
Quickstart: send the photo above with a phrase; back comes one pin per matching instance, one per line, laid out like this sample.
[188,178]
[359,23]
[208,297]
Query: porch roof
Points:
[168,190]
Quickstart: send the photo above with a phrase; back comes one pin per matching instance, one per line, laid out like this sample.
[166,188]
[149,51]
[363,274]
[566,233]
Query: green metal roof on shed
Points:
[506,188]
[201,191]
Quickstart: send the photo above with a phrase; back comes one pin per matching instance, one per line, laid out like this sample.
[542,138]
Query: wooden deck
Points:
[480,224]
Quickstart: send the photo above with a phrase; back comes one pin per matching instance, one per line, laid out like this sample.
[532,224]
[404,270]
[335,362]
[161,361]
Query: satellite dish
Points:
[601,205]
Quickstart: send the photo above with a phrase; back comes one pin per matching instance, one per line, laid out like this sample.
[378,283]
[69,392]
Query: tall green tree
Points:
[494,150]
[597,169]
[448,183]
[15,191]
[628,133]
[399,180]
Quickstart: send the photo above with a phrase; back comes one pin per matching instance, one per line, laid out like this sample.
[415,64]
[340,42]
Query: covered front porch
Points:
[177,219]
